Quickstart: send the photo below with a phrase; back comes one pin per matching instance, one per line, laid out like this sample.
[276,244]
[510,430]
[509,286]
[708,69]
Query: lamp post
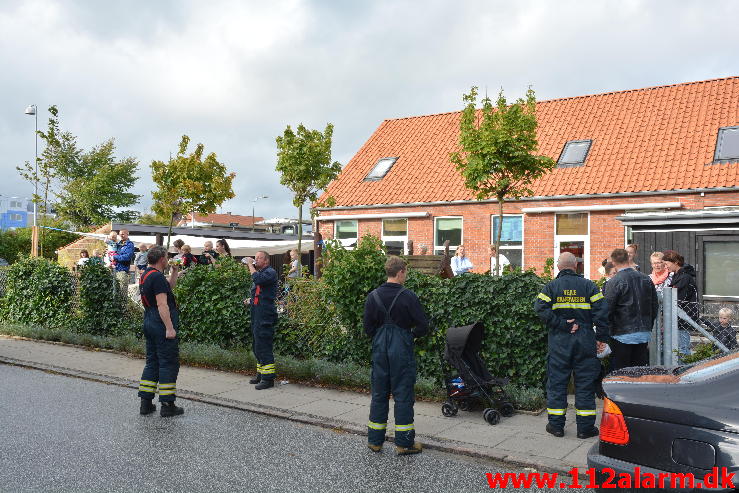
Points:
[252,209]
[32,109]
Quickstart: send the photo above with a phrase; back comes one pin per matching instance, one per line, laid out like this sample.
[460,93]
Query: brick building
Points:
[620,155]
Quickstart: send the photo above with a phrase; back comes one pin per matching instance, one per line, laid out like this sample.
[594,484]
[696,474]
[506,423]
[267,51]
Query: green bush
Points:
[102,304]
[349,276]
[211,304]
[39,292]
[515,343]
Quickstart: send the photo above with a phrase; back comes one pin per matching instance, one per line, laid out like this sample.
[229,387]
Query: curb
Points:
[432,443]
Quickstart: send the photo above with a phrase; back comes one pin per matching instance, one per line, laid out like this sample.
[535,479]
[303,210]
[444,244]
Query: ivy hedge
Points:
[319,320]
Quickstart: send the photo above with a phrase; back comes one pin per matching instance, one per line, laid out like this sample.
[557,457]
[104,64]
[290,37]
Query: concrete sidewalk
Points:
[520,439]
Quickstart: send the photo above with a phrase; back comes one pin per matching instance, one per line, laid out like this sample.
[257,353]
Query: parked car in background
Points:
[682,420]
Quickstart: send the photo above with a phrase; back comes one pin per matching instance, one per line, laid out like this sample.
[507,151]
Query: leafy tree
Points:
[91,187]
[14,244]
[497,151]
[152,219]
[189,183]
[304,161]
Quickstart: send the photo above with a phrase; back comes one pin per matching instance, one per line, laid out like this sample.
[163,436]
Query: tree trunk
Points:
[169,233]
[300,239]
[498,270]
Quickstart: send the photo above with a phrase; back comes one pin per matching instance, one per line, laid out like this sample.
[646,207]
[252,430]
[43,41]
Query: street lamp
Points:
[32,109]
[252,209]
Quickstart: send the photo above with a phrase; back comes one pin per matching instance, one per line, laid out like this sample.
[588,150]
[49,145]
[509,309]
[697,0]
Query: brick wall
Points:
[606,232]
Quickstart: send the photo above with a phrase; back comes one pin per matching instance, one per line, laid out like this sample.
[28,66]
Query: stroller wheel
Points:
[464,405]
[492,416]
[506,409]
[448,410]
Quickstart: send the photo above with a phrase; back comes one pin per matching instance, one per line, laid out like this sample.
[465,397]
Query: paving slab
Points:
[541,445]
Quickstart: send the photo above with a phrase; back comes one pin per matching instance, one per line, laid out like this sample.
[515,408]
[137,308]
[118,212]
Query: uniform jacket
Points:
[572,297]
[264,287]
[632,302]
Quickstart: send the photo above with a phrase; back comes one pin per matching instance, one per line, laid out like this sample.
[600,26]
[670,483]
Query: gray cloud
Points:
[233,74]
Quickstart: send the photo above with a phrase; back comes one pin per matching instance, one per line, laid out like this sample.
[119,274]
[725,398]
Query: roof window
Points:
[381,168]
[727,145]
[574,153]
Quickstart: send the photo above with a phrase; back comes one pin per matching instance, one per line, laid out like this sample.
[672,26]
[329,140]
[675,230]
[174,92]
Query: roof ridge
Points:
[624,91]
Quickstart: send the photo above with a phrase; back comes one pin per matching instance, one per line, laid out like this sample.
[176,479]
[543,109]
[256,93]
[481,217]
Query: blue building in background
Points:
[15,212]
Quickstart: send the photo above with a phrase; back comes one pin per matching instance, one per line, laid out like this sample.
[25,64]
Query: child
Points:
[142,257]
[112,249]
[97,258]
[723,331]
[188,259]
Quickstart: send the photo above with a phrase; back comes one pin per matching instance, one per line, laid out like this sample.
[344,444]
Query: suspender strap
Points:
[386,311]
[144,300]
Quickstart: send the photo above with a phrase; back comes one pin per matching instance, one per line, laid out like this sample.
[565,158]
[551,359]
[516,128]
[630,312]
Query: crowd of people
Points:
[586,323]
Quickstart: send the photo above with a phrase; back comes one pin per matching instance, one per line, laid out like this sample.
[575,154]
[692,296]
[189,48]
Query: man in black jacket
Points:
[570,306]
[632,309]
[393,317]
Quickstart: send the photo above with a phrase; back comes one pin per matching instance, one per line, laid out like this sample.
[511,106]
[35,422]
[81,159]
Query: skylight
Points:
[727,145]
[574,153]
[381,168]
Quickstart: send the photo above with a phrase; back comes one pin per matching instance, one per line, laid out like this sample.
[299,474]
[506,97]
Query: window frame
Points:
[702,268]
[451,247]
[577,164]
[584,238]
[15,204]
[385,238]
[344,241]
[377,163]
[15,217]
[716,158]
[508,247]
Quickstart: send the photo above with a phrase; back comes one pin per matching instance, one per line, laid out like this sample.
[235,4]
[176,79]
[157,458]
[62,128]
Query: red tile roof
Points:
[657,138]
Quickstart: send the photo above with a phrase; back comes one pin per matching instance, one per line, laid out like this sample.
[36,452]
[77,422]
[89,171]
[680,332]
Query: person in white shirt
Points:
[504,262]
[460,263]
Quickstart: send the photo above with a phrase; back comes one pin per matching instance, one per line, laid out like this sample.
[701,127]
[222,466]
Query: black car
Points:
[682,423]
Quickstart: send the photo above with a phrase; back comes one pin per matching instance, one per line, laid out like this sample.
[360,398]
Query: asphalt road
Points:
[65,434]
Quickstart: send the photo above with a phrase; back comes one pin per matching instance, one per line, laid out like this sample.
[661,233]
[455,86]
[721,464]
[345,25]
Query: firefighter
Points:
[263,317]
[161,321]
[393,317]
[570,306]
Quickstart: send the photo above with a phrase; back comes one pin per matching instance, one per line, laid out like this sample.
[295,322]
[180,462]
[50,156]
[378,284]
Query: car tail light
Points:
[613,427]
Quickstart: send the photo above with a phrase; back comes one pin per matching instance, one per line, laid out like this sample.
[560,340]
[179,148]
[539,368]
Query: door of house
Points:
[571,235]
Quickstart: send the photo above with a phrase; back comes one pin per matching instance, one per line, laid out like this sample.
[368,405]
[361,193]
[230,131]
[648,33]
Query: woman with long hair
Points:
[222,248]
[460,263]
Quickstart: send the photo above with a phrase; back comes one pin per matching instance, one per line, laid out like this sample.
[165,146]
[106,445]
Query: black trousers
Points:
[393,372]
[625,355]
[263,320]
[162,359]
[572,354]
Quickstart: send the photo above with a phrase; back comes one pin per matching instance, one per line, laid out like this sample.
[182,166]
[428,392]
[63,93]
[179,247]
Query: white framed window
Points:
[572,234]
[16,217]
[448,228]
[380,169]
[16,204]
[346,231]
[511,240]
[395,236]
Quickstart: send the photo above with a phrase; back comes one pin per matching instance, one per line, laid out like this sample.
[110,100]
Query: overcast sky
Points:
[232,75]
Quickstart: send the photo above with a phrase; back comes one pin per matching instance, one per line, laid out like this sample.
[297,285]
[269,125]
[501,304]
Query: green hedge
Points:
[101,302]
[39,292]
[211,305]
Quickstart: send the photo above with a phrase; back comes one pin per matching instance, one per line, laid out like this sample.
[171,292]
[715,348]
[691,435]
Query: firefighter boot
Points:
[256,379]
[169,409]
[266,383]
[147,407]
[416,448]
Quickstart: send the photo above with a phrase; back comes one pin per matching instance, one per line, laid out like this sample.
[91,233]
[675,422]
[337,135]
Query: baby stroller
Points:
[474,384]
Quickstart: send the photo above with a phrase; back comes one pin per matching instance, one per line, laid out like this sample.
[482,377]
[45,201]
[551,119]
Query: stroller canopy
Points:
[462,350]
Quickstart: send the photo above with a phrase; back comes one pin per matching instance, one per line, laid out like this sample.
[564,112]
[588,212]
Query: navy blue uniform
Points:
[393,316]
[568,297]
[162,354]
[263,320]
